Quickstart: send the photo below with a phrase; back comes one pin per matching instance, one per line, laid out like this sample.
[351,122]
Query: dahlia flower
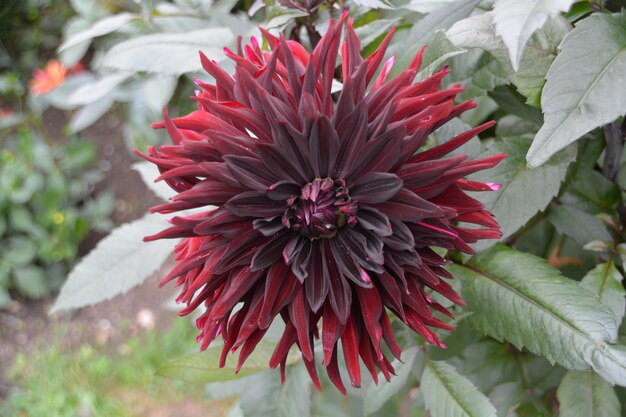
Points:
[319,209]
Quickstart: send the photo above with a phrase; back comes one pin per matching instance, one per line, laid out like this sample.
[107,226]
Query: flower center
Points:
[323,207]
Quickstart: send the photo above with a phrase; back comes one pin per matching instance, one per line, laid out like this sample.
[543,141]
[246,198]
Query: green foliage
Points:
[585,394]
[578,95]
[88,380]
[449,394]
[519,298]
[46,210]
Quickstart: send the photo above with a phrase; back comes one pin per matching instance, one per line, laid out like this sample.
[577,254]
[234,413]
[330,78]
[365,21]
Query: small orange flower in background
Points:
[47,79]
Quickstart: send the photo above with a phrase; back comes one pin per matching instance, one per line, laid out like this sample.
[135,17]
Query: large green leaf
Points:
[605,282]
[406,46]
[449,394]
[585,84]
[118,263]
[518,297]
[203,367]
[585,394]
[516,21]
[577,224]
[524,191]
[168,53]
[101,27]
[377,395]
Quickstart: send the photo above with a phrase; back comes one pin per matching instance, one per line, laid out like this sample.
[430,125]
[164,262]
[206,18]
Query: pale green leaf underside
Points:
[585,84]
[585,394]
[168,53]
[118,263]
[101,27]
[516,21]
[449,394]
[518,297]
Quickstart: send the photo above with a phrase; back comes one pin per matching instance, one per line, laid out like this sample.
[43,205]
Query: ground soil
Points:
[26,325]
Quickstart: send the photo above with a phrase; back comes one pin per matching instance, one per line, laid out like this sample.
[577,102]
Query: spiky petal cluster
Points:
[325,210]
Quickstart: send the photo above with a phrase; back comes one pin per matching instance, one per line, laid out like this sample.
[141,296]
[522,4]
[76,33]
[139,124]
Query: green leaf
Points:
[168,53]
[70,56]
[294,398]
[591,190]
[479,32]
[203,367]
[513,205]
[537,58]
[118,263]
[88,114]
[148,173]
[584,84]
[577,224]
[605,282]
[439,50]
[30,281]
[102,27]
[373,4]
[518,297]
[407,46]
[585,394]
[425,6]
[99,89]
[449,394]
[377,395]
[5,298]
[158,91]
[516,21]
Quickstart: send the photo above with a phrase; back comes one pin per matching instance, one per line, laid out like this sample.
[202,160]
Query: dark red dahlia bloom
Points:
[318,209]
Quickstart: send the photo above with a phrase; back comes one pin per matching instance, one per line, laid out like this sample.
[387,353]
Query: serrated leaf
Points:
[439,50]
[518,297]
[168,53]
[102,27]
[442,18]
[203,367]
[479,32]
[537,58]
[377,395]
[577,224]
[449,394]
[605,282]
[585,394]
[516,21]
[118,263]
[584,84]
[513,205]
